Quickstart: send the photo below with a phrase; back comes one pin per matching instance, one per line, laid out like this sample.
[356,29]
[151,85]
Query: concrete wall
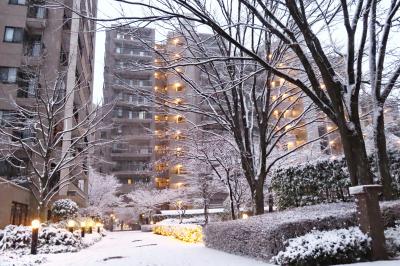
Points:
[9,193]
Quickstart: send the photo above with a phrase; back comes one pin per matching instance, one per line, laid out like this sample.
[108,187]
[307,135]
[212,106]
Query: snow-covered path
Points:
[147,249]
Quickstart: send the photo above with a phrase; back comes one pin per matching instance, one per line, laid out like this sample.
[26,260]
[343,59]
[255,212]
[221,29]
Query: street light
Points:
[35,232]
[83,225]
[71,224]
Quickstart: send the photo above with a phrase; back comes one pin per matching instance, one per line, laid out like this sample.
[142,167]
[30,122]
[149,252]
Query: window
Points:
[5,117]
[142,115]
[17,2]
[12,34]
[130,115]
[8,74]
[129,181]
[120,112]
[19,213]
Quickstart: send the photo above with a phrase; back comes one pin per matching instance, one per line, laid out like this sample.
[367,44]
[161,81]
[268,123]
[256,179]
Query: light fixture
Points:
[71,224]
[35,232]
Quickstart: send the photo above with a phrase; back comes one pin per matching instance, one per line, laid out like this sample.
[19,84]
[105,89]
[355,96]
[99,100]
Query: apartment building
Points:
[45,42]
[128,84]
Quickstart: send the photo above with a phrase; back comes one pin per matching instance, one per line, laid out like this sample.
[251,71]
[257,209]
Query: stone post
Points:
[369,217]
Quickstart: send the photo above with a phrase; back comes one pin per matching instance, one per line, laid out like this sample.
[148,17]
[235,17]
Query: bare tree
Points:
[340,71]
[35,131]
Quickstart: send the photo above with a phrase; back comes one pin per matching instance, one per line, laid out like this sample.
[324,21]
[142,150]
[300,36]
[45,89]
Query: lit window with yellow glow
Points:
[290,145]
[129,181]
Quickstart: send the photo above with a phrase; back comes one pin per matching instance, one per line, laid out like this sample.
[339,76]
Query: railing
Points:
[37,11]
[133,150]
[34,48]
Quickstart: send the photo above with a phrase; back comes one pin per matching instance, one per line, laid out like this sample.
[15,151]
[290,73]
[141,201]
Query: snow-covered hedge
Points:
[392,235]
[325,248]
[64,209]
[263,236]
[321,181]
[186,232]
[50,239]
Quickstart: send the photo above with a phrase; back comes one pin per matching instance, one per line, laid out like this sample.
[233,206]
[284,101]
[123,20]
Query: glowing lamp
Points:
[245,216]
[35,224]
[71,224]
[35,232]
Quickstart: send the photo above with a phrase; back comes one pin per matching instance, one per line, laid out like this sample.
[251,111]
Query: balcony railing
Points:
[38,12]
[34,49]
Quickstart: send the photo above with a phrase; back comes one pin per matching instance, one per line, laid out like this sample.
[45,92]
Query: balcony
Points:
[33,53]
[131,151]
[36,18]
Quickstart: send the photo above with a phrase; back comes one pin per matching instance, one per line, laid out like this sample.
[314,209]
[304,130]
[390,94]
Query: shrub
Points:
[186,232]
[325,248]
[392,235]
[322,181]
[263,236]
[50,239]
[64,209]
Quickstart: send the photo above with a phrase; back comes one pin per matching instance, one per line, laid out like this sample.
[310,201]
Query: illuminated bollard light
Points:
[83,225]
[90,231]
[35,233]
[71,224]
[98,225]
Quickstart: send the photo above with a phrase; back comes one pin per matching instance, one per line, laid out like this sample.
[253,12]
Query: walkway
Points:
[147,249]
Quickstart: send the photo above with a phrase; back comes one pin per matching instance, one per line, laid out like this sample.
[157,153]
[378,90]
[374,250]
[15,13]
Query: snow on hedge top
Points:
[272,221]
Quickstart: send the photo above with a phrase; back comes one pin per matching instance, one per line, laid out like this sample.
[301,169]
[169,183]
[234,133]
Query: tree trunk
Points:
[259,199]
[42,213]
[232,205]
[356,156]
[381,156]
[205,212]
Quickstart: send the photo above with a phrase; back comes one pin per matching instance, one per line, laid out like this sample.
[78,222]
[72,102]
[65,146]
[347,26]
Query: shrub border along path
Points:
[263,236]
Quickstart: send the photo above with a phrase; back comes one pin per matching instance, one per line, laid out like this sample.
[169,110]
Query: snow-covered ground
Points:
[147,249]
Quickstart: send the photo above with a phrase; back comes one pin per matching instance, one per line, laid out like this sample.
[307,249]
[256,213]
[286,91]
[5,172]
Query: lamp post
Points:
[83,225]
[71,224]
[112,222]
[35,232]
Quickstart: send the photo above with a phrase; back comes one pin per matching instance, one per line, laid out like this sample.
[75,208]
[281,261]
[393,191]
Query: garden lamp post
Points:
[83,225]
[112,222]
[35,232]
[71,224]
[90,231]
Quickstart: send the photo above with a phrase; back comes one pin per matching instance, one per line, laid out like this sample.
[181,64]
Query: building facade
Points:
[45,42]
[128,85]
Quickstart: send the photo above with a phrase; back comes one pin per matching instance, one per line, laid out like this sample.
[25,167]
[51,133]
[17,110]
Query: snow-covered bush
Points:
[186,232]
[325,248]
[392,235]
[15,237]
[263,236]
[193,220]
[64,209]
[50,239]
[322,181]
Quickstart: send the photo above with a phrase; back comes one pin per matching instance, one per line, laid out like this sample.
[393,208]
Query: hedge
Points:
[263,236]
[323,181]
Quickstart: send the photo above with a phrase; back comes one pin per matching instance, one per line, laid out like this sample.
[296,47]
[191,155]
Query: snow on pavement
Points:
[146,249]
